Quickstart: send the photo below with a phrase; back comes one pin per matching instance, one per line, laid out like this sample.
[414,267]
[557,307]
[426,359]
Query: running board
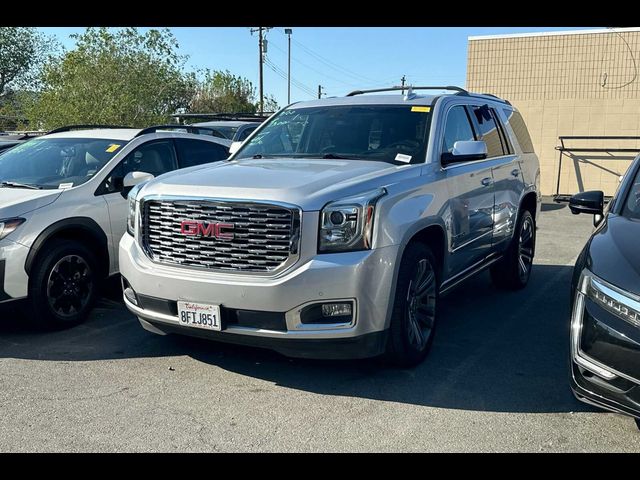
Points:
[466,274]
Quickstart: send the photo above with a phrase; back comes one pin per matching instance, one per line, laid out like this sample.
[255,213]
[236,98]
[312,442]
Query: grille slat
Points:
[265,236]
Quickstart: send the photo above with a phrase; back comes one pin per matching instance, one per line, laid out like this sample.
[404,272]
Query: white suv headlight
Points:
[132,205]
[8,225]
[347,224]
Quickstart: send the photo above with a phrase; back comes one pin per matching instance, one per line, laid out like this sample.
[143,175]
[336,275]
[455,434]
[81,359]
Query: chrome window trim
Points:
[577,354]
[294,254]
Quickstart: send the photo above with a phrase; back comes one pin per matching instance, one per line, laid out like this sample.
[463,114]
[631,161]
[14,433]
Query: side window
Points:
[155,158]
[520,130]
[457,128]
[489,130]
[197,152]
[248,131]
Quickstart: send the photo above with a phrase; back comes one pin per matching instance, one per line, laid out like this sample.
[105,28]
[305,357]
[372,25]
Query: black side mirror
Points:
[587,202]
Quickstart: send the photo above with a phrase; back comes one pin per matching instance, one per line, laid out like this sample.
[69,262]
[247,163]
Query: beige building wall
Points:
[567,84]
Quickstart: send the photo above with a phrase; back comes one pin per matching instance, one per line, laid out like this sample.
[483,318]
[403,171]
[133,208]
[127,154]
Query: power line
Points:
[283,74]
[324,74]
[332,64]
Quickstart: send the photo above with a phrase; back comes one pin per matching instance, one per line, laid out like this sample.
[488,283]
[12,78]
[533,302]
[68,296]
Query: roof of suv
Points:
[388,99]
[225,123]
[393,99]
[124,134]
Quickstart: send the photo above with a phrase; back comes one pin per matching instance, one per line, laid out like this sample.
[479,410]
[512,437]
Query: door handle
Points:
[487,181]
[515,172]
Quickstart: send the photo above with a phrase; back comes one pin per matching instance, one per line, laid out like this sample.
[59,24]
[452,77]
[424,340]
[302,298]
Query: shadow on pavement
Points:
[493,351]
[551,206]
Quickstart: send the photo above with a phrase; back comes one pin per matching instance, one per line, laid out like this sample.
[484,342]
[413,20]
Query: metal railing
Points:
[567,151]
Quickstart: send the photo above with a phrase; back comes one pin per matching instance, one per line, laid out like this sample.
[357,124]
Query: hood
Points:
[18,201]
[308,183]
[614,254]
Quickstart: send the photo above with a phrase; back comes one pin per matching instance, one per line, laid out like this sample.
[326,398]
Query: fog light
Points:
[131,296]
[336,309]
[329,313]
[129,293]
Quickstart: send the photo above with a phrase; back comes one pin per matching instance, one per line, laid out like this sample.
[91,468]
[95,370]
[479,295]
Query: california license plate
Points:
[199,315]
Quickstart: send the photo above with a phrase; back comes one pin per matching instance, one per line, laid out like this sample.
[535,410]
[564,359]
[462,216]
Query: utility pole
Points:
[403,79]
[288,32]
[261,52]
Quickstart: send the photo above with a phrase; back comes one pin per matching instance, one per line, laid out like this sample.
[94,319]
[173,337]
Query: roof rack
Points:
[21,135]
[68,128]
[238,116]
[461,91]
[494,96]
[187,128]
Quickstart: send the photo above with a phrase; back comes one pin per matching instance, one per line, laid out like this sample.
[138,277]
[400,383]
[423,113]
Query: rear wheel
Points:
[63,285]
[413,319]
[514,270]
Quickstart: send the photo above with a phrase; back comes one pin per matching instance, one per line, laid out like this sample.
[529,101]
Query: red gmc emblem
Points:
[201,229]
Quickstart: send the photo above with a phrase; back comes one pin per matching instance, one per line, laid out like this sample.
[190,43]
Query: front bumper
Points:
[605,354]
[364,278]
[14,281]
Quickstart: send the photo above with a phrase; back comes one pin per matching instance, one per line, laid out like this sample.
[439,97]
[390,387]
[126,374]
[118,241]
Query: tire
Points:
[63,285]
[509,273]
[413,319]
[637,422]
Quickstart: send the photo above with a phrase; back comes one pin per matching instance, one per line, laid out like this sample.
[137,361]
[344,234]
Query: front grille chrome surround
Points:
[266,234]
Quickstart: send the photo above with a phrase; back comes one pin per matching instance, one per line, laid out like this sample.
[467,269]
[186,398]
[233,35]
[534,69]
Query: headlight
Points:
[347,224]
[614,300]
[9,225]
[131,208]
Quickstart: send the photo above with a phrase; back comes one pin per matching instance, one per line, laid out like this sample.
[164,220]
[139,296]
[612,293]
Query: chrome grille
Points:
[265,236]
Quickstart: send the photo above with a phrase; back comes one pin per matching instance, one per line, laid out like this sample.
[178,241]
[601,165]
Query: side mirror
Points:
[235,146]
[587,202]
[465,151]
[132,179]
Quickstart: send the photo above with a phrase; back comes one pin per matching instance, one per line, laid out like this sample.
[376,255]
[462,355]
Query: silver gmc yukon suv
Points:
[334,228]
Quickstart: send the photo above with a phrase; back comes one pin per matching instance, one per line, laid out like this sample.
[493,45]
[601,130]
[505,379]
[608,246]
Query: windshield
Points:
[388,133]
[56,162]
[632,205]
[227,131]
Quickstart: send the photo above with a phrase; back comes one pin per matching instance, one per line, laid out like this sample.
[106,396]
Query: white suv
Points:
[63,209]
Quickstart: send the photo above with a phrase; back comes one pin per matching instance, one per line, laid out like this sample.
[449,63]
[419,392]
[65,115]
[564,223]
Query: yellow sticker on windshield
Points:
[420,109]
[112,148]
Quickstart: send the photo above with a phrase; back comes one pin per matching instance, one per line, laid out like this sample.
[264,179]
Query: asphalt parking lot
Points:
[496,380]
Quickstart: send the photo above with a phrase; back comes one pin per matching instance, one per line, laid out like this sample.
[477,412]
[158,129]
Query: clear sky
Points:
[338,58]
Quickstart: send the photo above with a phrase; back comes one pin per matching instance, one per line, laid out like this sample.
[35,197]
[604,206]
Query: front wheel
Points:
[513,271]
[413,318]
[63,285]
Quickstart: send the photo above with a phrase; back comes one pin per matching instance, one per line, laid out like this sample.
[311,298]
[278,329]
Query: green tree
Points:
[223,92]
[114,77]
[23,51]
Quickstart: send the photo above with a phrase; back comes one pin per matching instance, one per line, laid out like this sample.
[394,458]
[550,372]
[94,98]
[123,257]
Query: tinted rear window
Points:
[520,130]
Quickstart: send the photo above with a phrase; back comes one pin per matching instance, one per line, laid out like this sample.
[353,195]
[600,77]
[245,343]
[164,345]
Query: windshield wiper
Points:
[333,156]
[20,185]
